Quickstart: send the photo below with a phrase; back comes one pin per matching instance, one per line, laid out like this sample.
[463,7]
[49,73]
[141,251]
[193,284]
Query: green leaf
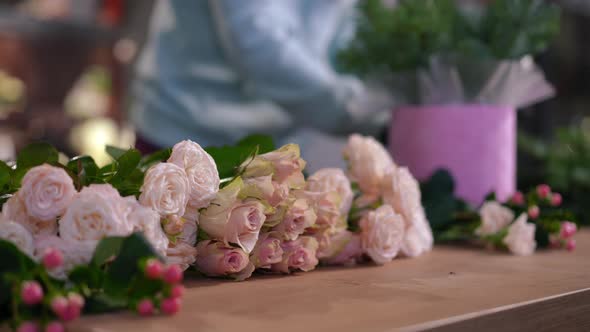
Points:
[264,143]
[88,275]
[126,265]
[228,158]
[102,303]
[5,175]
[36,154]
[154,158]
[13,260]
[106,249]
[84,169]
[114,151]
[126,165]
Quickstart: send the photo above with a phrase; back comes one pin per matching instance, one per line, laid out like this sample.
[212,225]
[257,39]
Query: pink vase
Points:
[476,143]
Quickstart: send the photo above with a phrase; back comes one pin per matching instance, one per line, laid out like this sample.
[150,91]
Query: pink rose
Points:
[402,191]
[349,255]
[165,189]
[520,239]
[95,212]
[181,254]
[494,217]
[15,210]
[216,259]
[332,180]
[74,252]
[284,164]
[264,188]
[200,169]
[18,235]
[147,221]
[47,192]
[338,247]
[368,163]
[299,254]
[327,207]
[267,251]
[382,234]
[297,218]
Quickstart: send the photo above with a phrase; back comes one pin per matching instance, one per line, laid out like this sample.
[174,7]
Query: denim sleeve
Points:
[263,39]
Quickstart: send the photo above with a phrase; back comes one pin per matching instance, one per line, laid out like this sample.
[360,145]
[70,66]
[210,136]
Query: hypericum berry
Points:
[28,327]
[59,306]
[556,199]
[145,307]
[173,274]
[568,229]
[52,258]
[55,327]
[534,212]
[153,269]
[570,245]
[177,291]
[517,198]
[76,300]
[72,313]
[543,191]
[171,306]
[31,292]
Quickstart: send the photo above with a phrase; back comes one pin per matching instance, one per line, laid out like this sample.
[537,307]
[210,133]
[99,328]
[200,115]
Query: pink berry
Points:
[534,212]
[568,229]
[72,313]
[28,327]
[59,306]
[570,245]
[54,327]
[153,269]
[556,199]
[31,292]
[543,191]
[173,274]
[517,198]
[145,307]
[171,306]
[75,300]
[177,291]
[52,258]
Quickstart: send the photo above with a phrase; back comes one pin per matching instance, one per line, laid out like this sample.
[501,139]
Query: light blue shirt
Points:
[215,71]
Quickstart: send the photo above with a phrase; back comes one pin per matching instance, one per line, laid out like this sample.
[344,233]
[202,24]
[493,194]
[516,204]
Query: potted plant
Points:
[458,73]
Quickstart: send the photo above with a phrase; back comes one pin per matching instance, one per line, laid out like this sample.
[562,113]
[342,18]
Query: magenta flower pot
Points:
[476,143]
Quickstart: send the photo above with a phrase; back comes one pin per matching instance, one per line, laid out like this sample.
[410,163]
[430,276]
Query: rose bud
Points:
[153,269]
[517,198]
[568,229]
[31,293]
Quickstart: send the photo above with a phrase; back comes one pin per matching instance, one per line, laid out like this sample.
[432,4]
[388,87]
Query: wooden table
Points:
[450,289]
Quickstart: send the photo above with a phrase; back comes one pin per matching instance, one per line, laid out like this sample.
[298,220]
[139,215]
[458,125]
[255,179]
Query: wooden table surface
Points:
[449,289]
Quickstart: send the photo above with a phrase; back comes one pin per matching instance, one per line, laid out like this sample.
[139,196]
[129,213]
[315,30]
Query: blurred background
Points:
[66,68]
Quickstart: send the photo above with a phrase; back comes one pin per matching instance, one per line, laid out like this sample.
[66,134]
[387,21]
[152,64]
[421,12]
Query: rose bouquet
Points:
[520,225]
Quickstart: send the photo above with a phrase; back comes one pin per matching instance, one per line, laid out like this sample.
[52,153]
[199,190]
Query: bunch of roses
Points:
[387,208]
[499,227]
[258,220]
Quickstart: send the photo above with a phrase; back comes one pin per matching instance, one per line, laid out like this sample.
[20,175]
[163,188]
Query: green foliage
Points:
[405,38]
[564,164]
[229,158]
[439,201]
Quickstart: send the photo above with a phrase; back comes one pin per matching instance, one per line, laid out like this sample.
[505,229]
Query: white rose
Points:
[74,252]
[332,180]
[402,192]
[368,163]
[382,233]
[298,217]
[147,221]
[494,217]
[200,169]
[327,208]
[17,234]
[47,191]
[15,210]
[284,164]
[165,189]
[94,213]
[521,237]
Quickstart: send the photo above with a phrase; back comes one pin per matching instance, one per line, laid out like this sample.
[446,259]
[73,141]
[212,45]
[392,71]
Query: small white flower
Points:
[17,234]
[382,234]
[494,217]
[521,237]
[165,189]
